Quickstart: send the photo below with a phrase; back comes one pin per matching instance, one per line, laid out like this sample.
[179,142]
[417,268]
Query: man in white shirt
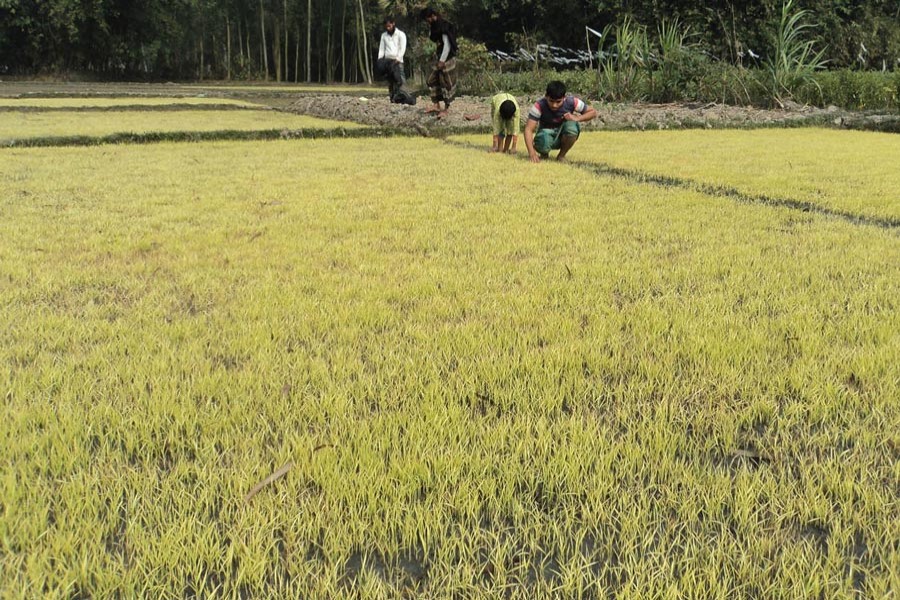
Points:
[390,55]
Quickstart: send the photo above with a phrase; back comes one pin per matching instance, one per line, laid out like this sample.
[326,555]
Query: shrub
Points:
[477,69]
[794,58]
[857,90]
[578,81]
[627,68]
[679,64]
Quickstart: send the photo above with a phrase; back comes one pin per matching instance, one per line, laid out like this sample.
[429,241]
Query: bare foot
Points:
[432,109]
[443,114]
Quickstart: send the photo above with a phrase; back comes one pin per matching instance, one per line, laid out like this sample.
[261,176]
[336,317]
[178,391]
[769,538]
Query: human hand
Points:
[440,64]
[570,117]
[534,157]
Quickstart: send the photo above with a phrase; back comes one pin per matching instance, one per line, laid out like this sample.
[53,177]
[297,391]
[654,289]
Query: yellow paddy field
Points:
[474,376]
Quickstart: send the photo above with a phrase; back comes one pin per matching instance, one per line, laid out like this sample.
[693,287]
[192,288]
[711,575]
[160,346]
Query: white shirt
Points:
[392,46]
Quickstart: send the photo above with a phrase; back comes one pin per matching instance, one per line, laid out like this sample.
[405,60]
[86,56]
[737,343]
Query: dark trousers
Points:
[392,72]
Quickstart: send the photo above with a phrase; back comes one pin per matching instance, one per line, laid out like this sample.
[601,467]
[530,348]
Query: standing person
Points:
[555,118]
[505,122]
[390,56]
[442,80]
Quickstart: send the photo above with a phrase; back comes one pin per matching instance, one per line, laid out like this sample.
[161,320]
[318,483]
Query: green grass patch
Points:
[22,126]
[521,380]
[850,172]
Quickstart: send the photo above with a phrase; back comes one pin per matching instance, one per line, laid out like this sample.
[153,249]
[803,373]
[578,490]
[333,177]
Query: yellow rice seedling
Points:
[852,171]
[24,125]
[848,171]
[86,101]
[492,379]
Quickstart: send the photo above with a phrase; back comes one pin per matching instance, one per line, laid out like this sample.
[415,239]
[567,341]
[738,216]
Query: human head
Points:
[389,24]
[556,93]
[429,15]
[507,110]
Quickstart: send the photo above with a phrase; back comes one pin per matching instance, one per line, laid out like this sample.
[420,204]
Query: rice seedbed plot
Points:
[851,171]
[489,379]
[131,101]
[25,125]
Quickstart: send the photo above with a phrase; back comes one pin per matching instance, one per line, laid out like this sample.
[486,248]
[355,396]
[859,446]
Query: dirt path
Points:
[474,112]
[365,106]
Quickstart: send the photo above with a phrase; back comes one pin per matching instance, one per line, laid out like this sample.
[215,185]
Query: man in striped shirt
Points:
[554,122]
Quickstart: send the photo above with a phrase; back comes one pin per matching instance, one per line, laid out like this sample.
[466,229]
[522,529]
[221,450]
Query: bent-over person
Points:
[504,123]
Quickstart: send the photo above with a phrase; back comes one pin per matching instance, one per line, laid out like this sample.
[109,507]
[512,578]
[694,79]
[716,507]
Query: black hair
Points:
[507,109]
[556,90]
[427,12]
[388,19]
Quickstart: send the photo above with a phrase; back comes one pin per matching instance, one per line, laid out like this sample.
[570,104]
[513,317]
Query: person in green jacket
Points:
[505,122]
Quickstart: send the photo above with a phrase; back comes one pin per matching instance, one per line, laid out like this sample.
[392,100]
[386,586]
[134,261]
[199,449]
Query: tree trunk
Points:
[240,42]
[276,52]
[308,40]
[227,49]
[287,52]
[344,42]
[262,27]
[360,60]
[249,54]
[329,52]
[365,45]
[297,58]
[215,55]
[201,58]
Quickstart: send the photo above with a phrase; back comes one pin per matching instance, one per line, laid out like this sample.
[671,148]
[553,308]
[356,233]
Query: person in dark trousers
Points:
[442,80]
[553,122]
[391,50]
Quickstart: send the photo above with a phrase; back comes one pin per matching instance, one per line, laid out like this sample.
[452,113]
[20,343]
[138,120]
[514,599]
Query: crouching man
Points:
[554,122]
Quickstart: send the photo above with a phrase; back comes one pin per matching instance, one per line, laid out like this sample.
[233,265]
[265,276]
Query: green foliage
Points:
[695,78]
[531,83]
[679,62]
[477,69]
[857,90]
[170,39]
[629,62]
[725,83]
[794,58]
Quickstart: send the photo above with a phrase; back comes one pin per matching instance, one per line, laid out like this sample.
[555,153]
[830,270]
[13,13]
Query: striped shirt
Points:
[551,119]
